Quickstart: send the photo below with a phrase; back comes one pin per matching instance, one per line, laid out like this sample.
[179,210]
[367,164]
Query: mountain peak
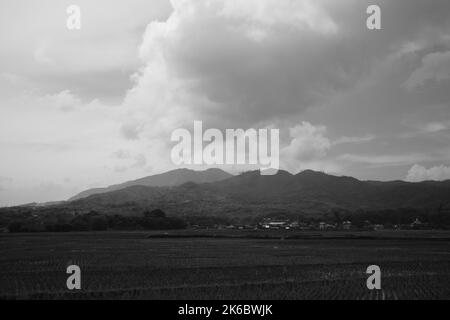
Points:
[310,172]
[312,175]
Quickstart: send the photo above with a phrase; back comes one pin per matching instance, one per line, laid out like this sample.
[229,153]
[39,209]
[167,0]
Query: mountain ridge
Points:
[169,178]
[252,193]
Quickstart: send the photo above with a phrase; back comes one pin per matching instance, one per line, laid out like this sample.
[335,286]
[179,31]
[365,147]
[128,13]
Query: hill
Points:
[253,194]
[167,179]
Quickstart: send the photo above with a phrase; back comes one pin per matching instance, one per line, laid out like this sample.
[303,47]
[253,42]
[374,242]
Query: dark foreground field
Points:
[225,265]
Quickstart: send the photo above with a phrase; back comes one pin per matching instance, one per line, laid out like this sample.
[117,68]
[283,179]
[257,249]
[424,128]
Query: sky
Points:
[97,106]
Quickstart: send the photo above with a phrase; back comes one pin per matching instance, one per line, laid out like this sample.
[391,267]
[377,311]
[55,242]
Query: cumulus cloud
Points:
[419,173]
[267,62]
[308,143]
[240,63]
[261,15]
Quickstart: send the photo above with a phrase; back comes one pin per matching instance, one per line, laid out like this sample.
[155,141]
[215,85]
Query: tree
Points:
[15,226]
[157,213]
[99,223]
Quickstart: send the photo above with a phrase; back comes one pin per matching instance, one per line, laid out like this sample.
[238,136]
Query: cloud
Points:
[122,154]
[259,16]
[230,63]
[435,67]
[268,62]
[308,143]
[64,100]
[436,127]
[419,173]
[355,139]
[131,131]
[250,62]
[37,44]
[384,160]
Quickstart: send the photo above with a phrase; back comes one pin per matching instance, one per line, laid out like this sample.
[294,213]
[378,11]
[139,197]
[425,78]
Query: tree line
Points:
[94,221]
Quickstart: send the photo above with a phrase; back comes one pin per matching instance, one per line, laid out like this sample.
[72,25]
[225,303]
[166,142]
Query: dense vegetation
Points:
[56,219]
[30,221]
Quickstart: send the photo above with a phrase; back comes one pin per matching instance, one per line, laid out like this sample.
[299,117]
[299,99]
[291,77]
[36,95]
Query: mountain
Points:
[251,193]
[167,179]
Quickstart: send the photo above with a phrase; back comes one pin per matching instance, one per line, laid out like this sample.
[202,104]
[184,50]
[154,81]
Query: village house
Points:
[275,224]
[416,224]
[326,226]
[378,227]
[347,225]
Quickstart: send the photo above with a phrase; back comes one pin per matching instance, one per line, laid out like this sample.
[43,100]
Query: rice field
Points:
[130,265]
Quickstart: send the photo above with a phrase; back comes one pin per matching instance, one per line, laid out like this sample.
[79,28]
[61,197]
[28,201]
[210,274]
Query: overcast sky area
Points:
[96,106]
